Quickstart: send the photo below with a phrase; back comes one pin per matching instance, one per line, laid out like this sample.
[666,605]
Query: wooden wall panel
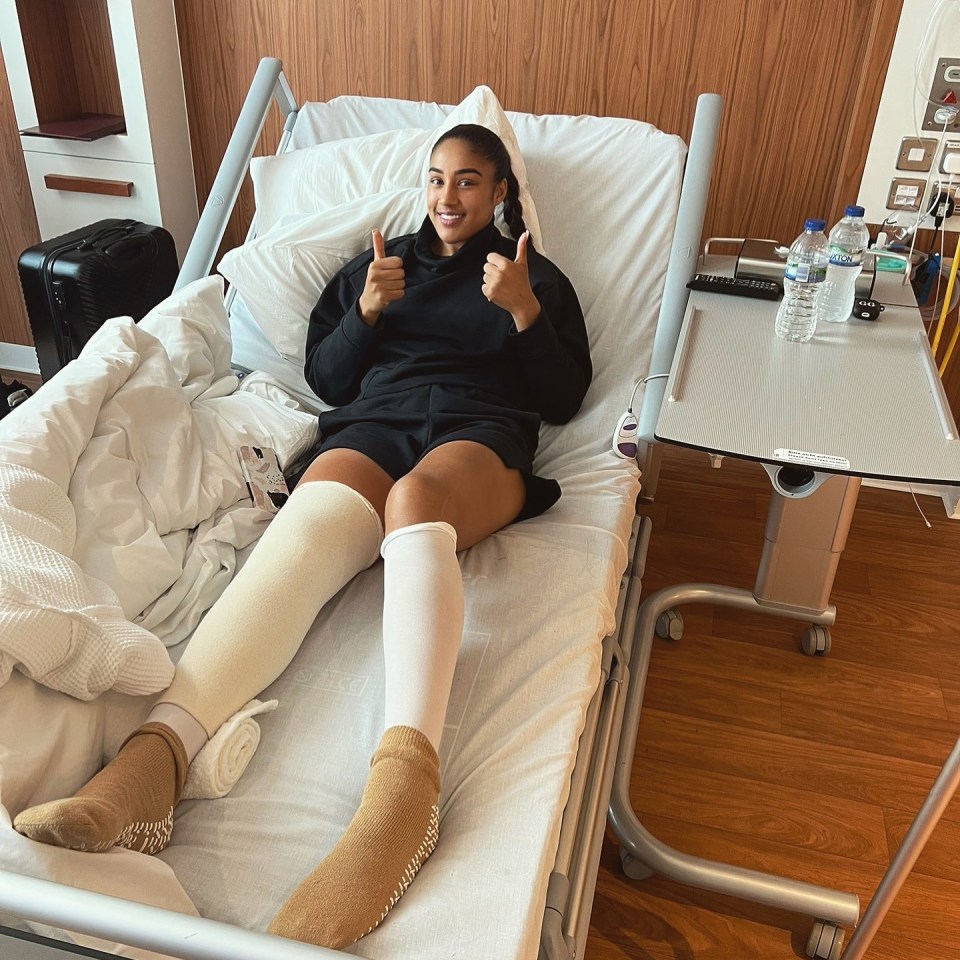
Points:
[801,78]
[18,225]
[800,100]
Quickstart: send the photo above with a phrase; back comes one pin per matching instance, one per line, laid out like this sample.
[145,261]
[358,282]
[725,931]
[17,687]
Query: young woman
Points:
[443,350]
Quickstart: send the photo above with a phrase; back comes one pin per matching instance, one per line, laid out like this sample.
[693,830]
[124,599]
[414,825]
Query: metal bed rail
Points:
[571,886]
[683,255]
[139,925]
[268,85]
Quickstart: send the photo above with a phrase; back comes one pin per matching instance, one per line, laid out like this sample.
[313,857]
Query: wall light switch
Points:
[905,194]
[916,153]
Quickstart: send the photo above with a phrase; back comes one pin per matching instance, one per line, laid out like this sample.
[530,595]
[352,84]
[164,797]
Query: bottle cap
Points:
[854,211]
[814,225]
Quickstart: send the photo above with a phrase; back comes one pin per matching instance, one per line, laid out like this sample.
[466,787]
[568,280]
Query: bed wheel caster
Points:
[825,942]
[669,625]
[635,869]
[815,641]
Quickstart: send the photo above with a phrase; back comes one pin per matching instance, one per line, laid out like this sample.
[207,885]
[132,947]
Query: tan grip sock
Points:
[392,834]
[127,804]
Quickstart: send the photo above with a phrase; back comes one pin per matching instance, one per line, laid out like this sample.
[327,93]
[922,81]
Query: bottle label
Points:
[806,272]
[842,257]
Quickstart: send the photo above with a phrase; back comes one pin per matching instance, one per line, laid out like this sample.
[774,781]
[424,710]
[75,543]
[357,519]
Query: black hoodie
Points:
[445,332]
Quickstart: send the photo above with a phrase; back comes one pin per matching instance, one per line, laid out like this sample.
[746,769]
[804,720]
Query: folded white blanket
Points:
[122,504]
[58,625]
[220,764]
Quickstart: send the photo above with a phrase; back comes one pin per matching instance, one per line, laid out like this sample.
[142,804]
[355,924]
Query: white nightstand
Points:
[102,57]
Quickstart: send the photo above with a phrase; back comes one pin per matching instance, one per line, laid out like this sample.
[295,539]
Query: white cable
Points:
[639,383]
[917,504]
[923,210]
[917,66]
[943,234]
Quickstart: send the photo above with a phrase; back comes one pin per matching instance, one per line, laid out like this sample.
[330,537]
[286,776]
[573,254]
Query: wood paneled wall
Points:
[18,222]
[801,81]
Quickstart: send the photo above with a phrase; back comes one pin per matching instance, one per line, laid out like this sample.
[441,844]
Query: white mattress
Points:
[540,596]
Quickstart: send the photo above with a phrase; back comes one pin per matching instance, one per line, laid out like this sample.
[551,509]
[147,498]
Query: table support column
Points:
[803,540]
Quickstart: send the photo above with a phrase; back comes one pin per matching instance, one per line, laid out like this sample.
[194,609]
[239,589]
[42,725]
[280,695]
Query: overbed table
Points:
[861,399]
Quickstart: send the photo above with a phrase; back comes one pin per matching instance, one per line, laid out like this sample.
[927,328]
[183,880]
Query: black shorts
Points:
[396,430]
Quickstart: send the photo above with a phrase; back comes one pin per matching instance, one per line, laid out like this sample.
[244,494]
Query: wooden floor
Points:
[753,753]
[31,380]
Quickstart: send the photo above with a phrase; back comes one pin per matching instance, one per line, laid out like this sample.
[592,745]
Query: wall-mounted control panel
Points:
[913,161]
[943,101]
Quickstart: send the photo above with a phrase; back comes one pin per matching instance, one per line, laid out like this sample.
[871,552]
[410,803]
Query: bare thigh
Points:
[355,470]
[462,483]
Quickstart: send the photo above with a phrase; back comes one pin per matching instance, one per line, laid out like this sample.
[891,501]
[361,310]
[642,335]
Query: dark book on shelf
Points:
[84,126]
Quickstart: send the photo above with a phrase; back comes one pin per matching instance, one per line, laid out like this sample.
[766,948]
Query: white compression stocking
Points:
[324,535]
[422,625]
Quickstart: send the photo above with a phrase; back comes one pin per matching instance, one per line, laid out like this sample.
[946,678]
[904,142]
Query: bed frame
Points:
[572,882]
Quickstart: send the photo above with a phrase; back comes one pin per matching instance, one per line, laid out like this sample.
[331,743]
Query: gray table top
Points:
[860,398]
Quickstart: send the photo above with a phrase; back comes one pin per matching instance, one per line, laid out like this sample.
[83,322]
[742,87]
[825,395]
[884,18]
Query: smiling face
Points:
[462,194]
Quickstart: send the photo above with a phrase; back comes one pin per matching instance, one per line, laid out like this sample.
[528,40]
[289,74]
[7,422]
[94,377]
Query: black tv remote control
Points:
[738,286]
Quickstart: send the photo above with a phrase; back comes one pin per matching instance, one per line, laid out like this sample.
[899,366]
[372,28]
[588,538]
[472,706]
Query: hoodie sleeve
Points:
[340,345]
[554,351]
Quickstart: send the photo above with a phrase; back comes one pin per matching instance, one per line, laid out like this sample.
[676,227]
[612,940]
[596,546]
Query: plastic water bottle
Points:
[802,279]
[848,239]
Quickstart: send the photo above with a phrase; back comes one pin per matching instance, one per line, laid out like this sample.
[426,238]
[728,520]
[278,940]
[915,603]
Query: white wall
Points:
[903,103]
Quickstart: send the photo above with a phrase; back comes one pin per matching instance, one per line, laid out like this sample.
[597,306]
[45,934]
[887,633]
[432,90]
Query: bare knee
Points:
[418,497]
[356,471]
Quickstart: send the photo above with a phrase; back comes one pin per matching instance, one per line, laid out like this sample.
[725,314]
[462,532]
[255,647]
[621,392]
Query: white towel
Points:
[220,764]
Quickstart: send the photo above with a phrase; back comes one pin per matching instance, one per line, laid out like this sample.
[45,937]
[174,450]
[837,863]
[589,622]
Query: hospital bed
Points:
[530,745]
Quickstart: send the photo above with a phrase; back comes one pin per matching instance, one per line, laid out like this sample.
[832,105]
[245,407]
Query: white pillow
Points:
[281,274]
[317,178]
[483,107]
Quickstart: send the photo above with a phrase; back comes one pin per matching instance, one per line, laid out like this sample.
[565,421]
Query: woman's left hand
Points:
[506,283]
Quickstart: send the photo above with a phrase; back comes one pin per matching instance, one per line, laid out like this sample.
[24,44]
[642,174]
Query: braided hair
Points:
[485,143]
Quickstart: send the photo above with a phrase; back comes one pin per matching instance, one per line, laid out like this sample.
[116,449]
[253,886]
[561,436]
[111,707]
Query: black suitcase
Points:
[73,283]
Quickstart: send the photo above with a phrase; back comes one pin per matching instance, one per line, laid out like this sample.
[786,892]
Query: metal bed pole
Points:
[268,84]
[683,255]
[139,925]
[893,878]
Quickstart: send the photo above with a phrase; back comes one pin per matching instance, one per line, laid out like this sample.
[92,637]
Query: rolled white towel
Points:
[220,764]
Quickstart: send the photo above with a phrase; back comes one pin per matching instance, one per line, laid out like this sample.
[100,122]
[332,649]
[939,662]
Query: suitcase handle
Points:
[122,229]
[126,248]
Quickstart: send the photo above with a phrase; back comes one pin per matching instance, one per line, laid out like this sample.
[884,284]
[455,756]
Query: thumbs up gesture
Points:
[384,284]
[506,283]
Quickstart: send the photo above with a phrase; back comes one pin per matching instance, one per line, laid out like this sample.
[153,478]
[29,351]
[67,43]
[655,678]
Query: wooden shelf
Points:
[84,126]
[71,61]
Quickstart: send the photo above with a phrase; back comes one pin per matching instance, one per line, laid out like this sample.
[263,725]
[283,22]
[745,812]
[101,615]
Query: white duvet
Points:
[122,508]
[121,499]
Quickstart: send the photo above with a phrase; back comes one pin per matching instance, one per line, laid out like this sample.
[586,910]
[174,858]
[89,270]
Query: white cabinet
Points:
[71,58]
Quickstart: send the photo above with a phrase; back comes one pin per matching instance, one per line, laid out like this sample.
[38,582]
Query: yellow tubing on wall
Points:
[945,310]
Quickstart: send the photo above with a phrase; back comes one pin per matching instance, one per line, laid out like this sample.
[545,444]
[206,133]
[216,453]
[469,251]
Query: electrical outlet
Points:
[916,154]
[905,194]
[950,158]
[944,97]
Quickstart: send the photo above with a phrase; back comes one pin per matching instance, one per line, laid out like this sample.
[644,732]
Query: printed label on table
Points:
[812,459]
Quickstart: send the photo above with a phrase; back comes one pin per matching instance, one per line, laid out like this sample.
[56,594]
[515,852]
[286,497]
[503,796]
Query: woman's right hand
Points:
[384,284]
